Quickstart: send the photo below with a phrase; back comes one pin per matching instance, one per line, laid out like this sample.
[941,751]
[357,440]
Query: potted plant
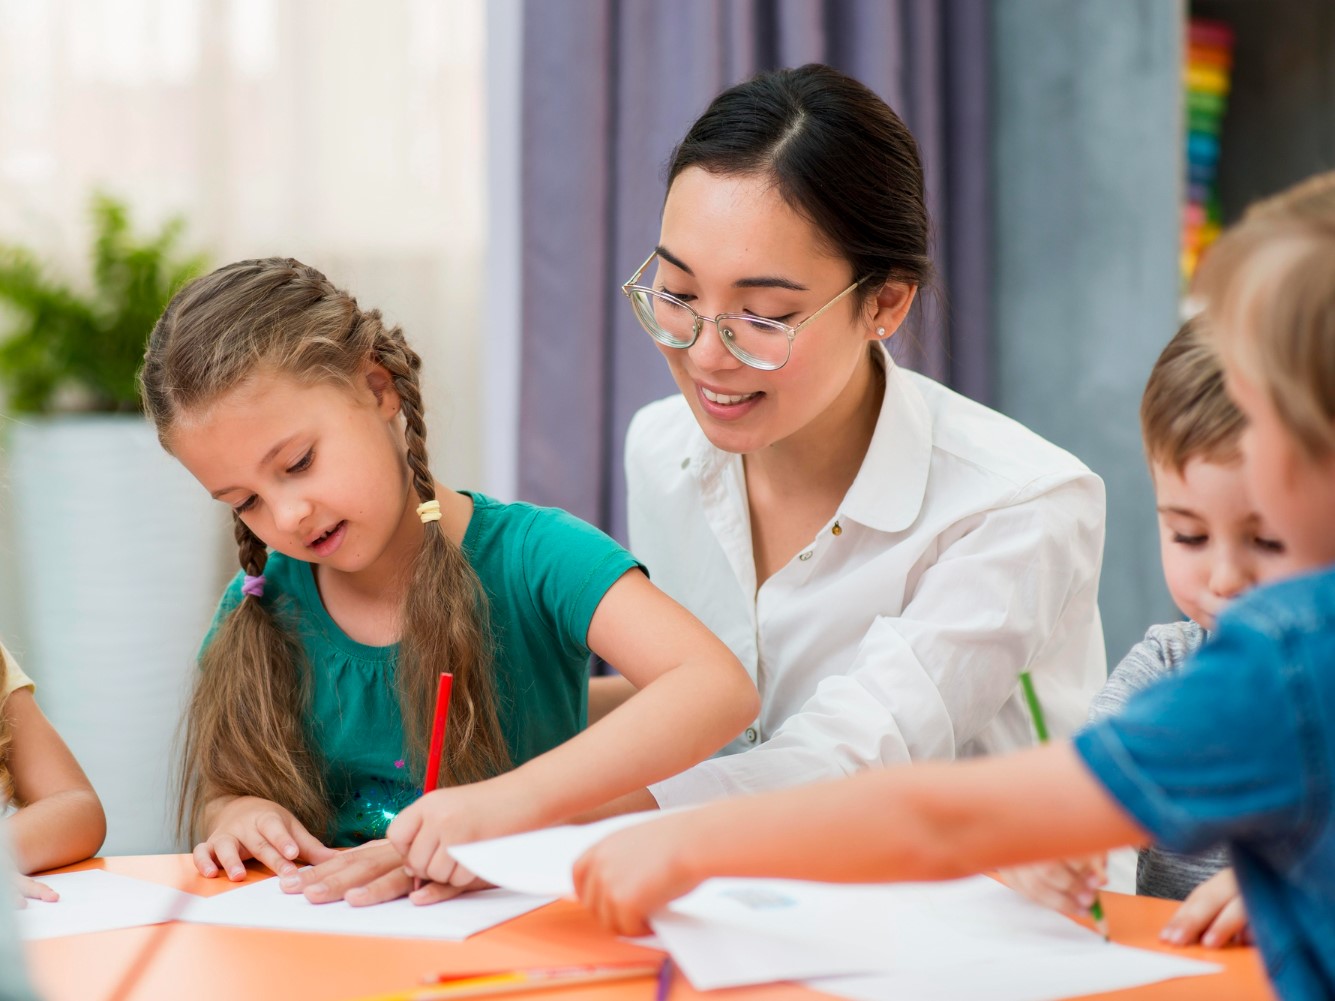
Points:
[116,547]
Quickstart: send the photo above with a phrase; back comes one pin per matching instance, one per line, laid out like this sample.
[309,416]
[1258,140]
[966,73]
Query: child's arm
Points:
[61,820]
[919,822]
[243,827]
[693,697]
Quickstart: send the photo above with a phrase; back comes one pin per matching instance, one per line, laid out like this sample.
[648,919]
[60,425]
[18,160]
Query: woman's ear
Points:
[890,307]
[381,384]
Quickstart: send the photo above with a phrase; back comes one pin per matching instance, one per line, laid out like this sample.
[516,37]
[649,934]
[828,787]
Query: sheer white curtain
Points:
[350,135]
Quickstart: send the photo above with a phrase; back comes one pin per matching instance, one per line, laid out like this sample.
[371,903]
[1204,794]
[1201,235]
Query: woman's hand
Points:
[30,889]
[1212,914]
[633,873]
[1068,886]
[249,827]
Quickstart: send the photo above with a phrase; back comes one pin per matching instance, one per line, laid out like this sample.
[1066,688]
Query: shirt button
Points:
[685,462]
[751,735]
[805,556]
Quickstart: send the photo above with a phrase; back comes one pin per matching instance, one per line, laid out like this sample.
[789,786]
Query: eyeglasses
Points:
[753,340]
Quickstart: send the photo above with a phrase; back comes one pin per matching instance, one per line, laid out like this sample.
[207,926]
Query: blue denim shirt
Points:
[1239,749]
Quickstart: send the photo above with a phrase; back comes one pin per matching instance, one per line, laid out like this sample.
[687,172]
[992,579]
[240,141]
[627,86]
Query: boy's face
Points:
[1294,493]
[1213,542]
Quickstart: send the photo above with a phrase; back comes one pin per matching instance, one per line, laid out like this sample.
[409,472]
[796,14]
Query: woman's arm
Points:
[924,822]
[61,820]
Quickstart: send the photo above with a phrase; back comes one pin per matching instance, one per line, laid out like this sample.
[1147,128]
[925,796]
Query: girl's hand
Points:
[423,832]
[631,874]
[1068,886]
[30,889]
[248,827]
[1212,914]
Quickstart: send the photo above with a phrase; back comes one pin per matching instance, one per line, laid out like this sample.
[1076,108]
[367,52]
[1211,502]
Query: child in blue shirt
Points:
[1237,749]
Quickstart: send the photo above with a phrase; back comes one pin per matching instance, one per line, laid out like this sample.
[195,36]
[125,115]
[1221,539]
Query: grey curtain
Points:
[608,88]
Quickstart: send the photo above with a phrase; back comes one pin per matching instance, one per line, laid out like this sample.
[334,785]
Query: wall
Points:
[1086,186]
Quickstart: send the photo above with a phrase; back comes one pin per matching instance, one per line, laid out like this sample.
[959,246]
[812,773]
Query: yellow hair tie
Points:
[429,511]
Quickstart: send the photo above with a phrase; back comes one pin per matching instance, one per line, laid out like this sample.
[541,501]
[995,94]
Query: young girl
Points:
[1238,749]
[884,556]
[310,718]
[59,819]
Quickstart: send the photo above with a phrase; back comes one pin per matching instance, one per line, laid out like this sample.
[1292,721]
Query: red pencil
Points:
[438,733]
[442,717]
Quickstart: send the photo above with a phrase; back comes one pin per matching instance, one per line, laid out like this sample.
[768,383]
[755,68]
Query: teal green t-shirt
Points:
[544,572]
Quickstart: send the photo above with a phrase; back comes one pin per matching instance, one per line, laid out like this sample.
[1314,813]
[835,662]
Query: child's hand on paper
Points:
[424,831]
[1068,885]
[30,889]
[1212,915]
[370,874]
[633,873]
[249,827]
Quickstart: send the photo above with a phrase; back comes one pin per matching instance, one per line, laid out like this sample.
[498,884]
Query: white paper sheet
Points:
[265,905]
[964,938]
[540,861]
[95,900]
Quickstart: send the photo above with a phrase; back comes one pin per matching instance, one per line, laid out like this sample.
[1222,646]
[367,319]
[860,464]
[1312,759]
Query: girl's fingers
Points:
[419,855]
[311,848]
[390,886]
[276,834]
[433,893]
[269,857]
[441,867]
[204,861]
[227,850]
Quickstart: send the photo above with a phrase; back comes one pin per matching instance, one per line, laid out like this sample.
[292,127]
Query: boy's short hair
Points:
[1186,413]
[1269,288]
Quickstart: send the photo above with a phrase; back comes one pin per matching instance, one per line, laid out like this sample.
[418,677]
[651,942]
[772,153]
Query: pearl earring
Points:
[880,331]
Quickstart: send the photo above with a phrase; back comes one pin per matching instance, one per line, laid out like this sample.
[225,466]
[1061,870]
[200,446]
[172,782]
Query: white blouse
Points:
[967,550]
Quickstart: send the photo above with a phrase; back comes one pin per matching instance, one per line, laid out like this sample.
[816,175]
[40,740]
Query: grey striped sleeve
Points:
[1165,648]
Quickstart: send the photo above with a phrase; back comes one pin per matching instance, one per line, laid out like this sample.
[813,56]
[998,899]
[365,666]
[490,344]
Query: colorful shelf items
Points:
[1208,66]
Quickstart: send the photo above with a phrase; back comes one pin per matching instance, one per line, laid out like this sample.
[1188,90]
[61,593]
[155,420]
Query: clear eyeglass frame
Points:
[644,313]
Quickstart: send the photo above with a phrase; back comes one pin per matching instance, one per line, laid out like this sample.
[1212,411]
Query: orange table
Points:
[208,963]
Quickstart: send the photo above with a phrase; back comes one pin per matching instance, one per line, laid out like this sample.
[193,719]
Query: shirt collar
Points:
[888,491]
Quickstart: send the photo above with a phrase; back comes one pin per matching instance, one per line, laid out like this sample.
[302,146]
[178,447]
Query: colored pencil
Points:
[664,980]
[437,750]
[517,981]
[1041,729]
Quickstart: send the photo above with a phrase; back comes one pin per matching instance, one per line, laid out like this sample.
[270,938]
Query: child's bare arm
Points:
[925,821]
[61,819]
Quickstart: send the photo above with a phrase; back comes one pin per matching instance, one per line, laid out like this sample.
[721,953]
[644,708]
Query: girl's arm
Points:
[61,820]
[694,696]
[924,822]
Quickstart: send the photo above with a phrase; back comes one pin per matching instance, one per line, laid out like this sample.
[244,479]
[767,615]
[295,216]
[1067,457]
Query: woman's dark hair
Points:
[838,155]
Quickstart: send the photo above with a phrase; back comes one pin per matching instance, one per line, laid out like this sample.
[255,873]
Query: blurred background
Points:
[488,173]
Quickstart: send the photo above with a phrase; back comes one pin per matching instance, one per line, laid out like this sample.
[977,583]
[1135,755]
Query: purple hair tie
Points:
[253,586]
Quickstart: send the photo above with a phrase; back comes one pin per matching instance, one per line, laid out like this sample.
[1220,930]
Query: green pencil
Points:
[1041,729]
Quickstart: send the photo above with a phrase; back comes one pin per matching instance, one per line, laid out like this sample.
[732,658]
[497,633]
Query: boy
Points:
[1213,546]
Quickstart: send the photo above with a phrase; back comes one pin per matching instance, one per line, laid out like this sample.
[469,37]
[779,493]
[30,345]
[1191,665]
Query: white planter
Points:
[118,552]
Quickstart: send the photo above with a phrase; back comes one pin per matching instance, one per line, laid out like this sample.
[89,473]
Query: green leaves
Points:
[65,349]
